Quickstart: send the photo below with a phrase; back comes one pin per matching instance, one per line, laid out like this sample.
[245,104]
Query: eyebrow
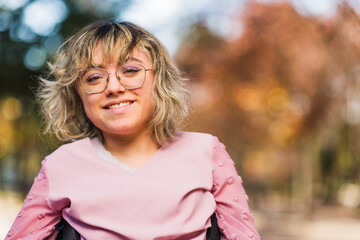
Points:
[94,65]
[134,59]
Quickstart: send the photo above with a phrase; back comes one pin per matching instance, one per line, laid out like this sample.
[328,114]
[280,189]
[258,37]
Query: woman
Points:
[130,174]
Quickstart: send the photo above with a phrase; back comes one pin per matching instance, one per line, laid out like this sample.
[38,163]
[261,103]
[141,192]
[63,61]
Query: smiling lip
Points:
[118,104]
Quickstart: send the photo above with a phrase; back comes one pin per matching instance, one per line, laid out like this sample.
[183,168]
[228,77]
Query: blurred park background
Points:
[277,81]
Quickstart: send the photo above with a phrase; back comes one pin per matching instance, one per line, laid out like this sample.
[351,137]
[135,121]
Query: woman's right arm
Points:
[37,219]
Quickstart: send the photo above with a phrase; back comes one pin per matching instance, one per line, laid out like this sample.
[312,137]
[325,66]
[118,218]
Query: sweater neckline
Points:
[108,158]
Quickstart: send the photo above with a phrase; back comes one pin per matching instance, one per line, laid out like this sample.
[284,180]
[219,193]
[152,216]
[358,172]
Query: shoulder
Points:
[204,143]
[73,149]
[68,159]
[193,137]
[197,137]
[194,140]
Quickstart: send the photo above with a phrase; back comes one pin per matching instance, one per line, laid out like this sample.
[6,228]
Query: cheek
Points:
[88,105]
[151,99]
[151,91]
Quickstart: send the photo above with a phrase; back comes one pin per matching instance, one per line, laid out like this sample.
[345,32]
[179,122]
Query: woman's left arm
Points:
[233,214]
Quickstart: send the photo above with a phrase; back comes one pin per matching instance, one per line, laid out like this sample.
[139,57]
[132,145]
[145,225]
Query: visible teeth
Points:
[119,105]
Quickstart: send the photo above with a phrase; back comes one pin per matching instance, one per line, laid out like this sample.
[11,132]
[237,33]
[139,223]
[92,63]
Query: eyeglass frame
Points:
[116,75]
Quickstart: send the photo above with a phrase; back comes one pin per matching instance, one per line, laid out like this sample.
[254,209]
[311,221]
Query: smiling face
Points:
[118,111]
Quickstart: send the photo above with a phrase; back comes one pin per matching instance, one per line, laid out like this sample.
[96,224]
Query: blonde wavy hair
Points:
[61,105]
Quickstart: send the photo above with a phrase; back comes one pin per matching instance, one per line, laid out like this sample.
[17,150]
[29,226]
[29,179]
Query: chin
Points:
[124,130]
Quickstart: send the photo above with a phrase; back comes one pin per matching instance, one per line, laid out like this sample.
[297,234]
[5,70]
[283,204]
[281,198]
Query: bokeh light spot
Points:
[248,99]
[255,164]
[4,21]
[52,43]
[35,58]
[349,195]
[206,94]
[25,34]
[12,4]
[281,133]
[42,16]
[11,109]
[3,147]
[278,101]
[351,112]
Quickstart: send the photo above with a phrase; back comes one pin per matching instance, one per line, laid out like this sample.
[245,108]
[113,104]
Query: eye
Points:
[130,70]
[93,77]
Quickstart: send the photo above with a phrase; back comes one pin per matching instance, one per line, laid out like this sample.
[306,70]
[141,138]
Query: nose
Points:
[114,86]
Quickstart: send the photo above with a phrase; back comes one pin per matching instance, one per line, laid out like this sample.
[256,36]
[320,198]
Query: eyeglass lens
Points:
[131,76]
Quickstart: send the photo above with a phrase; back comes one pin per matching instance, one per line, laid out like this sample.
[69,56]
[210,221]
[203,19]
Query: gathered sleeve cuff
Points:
[37,219]
[235,220]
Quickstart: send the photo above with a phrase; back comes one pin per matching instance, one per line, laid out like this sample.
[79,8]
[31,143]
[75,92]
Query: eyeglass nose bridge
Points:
[112,73]
[117,77]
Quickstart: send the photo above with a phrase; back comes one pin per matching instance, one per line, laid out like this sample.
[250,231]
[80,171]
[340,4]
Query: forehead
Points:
[116,56]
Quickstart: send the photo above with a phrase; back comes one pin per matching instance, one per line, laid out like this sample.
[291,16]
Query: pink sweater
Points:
[171,197]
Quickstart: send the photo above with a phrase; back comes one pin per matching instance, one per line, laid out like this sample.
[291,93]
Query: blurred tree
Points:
[276,94]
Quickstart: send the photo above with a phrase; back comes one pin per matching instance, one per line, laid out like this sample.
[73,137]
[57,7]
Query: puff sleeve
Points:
[37,219]
[233,214]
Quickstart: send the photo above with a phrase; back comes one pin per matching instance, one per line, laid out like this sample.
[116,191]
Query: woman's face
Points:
[116,110]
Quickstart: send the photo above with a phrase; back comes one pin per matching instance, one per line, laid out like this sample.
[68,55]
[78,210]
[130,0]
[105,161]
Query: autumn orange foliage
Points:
[279,94]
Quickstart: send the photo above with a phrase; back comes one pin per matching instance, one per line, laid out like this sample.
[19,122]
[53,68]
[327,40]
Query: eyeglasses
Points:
[130,76]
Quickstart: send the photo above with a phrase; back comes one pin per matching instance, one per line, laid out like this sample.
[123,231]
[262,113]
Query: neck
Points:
[134,151]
